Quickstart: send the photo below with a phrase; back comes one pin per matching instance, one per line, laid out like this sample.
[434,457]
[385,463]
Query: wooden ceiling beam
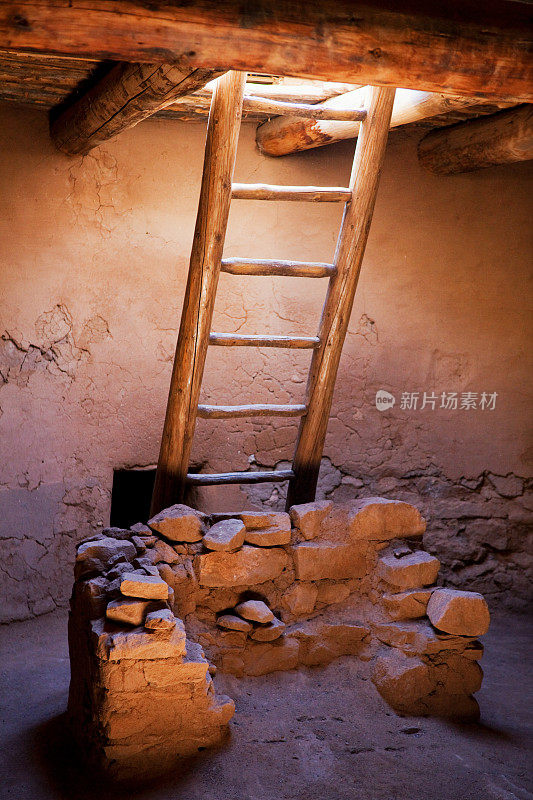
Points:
[281,136]
[463,48]
[124,97]
[501,138]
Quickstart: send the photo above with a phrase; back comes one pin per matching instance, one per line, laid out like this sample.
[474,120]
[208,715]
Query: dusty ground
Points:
[319,734]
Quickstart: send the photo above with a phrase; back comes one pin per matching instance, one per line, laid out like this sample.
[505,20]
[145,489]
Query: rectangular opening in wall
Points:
[131,495]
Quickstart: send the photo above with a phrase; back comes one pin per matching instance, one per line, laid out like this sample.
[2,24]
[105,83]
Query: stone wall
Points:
[94,254]
[256,593]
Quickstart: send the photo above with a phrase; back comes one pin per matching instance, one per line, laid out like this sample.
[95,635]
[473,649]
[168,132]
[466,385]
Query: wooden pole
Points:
[290,134]
[204,270]
[470,48]
[368,161]
[486,142]
[128,94]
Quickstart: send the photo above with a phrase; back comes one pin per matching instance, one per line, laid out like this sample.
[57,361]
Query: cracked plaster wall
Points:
[94,256]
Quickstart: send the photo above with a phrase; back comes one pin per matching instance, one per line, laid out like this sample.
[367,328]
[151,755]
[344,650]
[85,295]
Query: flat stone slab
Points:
[127,611]
[269,632]
[458,612]
[267,530]
[409,571]
[226,535]
[247,567]
[232,622]
[319,560]
[254,610]
[150,587]
[138,644]
[179,523]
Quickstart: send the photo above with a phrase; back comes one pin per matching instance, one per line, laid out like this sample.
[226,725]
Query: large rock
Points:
[402,680]
[267,530]
[226,535]
[410,571]
[255,611]
[128,611]
[247,567]
[318,560]
[97,556]
[134,584]
[458,612]
[178,523]
[307,517]
[381,519]
[407,605]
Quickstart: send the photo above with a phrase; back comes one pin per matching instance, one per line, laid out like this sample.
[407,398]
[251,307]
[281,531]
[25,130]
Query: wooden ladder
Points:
[206,263]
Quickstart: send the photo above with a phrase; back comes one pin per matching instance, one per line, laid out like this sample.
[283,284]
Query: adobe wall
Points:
[94,255]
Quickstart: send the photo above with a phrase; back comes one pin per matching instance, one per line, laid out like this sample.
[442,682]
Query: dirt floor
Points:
[320,734]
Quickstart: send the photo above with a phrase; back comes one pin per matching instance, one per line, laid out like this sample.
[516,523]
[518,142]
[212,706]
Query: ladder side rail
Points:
[204,269]
[367,165]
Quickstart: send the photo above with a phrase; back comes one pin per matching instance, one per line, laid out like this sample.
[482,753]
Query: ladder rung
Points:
[314,194]
[252,410]
[291,269]
[239,477]
[277,107]
[256,340]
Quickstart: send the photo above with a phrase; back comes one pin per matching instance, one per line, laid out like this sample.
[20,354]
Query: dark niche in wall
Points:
[131,495]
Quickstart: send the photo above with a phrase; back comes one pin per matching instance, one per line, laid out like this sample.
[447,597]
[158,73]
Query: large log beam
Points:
[128,94]
[290,134]
[469,48]
[498,139]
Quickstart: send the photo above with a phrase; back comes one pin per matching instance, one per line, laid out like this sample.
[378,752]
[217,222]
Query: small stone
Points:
[140,528]
[162,621]
[300,598]
[117,533]
[269,632]
[179,523]
[164,552]
[308,517]
[255,610]
[410,571]
[458,612]
[129,612]
[407,605]
[233,623]
[227,535]
[139,543]
[267,530]
[144,586]
[119,570]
